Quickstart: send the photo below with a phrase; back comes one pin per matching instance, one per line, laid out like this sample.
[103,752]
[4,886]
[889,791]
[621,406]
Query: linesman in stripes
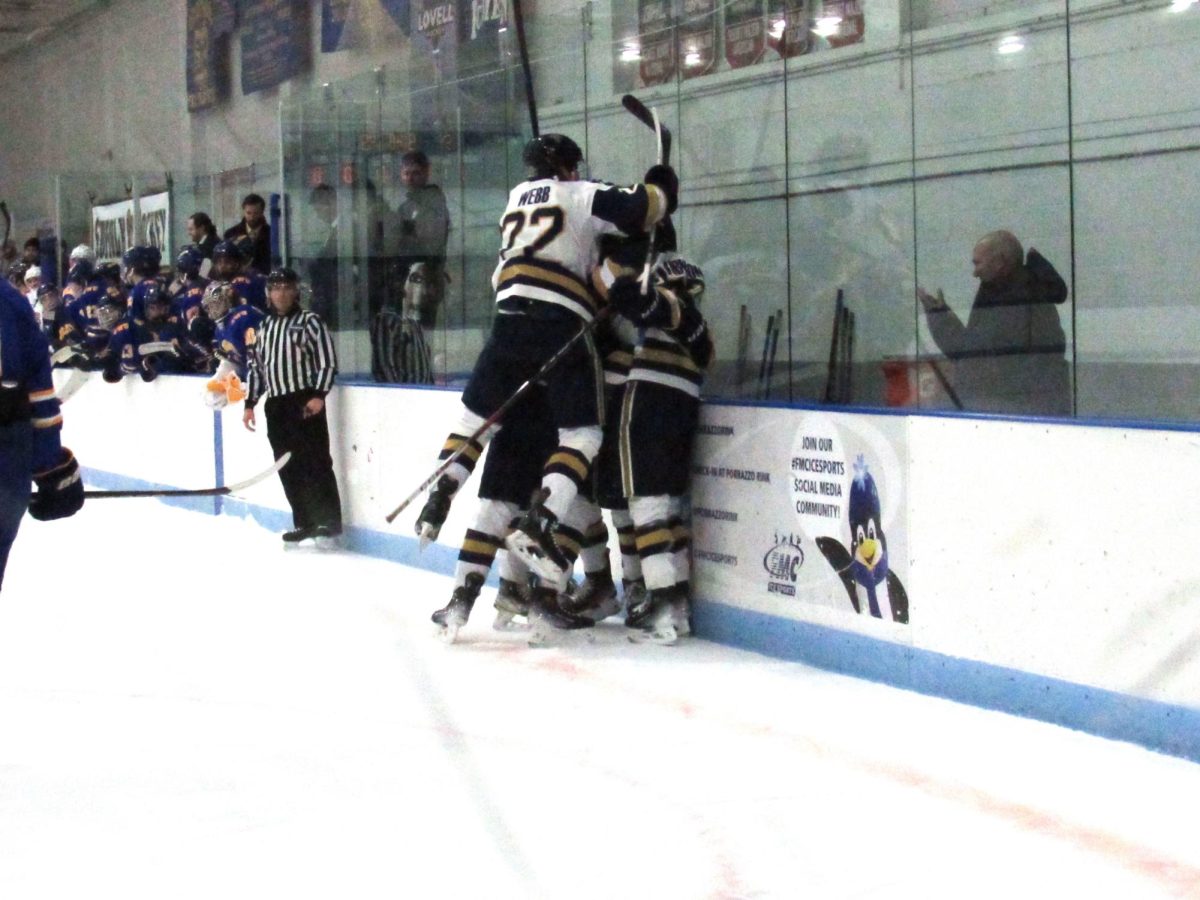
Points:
[293,368]
[399,351]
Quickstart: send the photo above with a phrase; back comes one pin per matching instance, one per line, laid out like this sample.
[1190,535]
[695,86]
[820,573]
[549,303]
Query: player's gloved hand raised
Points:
[625,297]
[664,177]
[59,490]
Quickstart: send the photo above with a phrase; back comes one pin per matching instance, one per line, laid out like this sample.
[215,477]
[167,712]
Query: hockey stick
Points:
[647,117]
[523,49]
[771,356]
[150,347]
[7,224]
[496,416]
[77,379]
[196,492]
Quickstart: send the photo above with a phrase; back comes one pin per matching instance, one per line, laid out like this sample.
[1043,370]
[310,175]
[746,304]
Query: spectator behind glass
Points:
[203,234]
[30,252]
[423,223]
[1010,355]
[322,265]
[254,226]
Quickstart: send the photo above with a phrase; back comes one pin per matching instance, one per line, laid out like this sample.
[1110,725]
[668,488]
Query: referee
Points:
[294,368]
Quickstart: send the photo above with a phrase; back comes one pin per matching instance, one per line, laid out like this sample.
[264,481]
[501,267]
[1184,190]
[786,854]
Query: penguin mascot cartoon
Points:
[864,569]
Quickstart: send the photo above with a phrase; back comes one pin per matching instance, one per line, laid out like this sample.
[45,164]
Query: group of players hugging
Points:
[127,319]
[609,426]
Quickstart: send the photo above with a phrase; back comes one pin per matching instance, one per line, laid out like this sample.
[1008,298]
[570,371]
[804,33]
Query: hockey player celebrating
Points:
[659,415]
[30,423]
[550,231]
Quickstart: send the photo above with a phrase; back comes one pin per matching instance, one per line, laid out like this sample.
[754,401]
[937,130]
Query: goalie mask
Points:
[552,155]
[219,299]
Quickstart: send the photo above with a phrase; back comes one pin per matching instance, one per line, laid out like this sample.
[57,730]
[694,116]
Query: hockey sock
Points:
[653,538]
[479,547]
[460,470]
[631,563]
[567,469]
[595,548]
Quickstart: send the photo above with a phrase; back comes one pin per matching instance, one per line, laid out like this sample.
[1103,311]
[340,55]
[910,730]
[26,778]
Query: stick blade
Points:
[265,473]
[638,109]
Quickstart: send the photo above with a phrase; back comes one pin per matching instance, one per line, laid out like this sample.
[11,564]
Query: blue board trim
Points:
[1164,727]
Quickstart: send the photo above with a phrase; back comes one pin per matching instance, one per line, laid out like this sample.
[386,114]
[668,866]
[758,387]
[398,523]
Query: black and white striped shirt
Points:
[292,353]
[399,351]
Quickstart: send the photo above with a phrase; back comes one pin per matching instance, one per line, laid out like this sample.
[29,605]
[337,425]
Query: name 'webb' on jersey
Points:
[550,231]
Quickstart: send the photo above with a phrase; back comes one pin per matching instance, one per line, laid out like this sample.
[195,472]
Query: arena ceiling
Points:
[24,22]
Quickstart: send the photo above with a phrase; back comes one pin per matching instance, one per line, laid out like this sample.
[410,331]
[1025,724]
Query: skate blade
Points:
[543,634]
[447,633]
[326,543]
[428,535]
[664,636]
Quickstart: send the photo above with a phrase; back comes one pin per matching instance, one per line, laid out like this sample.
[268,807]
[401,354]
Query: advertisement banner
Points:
[154,228]
[745,32]
[799,510]
[112,230]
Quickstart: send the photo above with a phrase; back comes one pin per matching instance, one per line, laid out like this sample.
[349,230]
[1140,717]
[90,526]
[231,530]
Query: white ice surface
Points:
[188,711]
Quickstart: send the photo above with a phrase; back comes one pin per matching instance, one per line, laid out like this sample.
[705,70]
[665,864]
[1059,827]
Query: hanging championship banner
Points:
[154,228]
[840,22]
[112,230]
[656,37]
[274,42]
[787,32]
[209,26]
[745,32]
[355,24]
[698,37]
[435,30]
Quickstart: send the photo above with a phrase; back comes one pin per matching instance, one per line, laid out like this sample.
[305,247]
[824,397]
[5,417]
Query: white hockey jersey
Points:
[550,231]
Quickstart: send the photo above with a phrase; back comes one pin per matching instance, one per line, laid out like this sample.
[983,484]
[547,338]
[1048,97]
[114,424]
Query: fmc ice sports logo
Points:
[782,564]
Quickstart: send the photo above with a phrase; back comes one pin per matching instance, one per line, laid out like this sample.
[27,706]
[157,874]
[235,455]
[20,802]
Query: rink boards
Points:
[1043,569]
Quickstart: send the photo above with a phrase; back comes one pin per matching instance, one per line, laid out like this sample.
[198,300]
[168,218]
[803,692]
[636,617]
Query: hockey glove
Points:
[149,369]
[692,332]
[59,490]
[664,178]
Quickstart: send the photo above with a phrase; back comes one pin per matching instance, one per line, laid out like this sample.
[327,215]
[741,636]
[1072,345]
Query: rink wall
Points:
[1037,568]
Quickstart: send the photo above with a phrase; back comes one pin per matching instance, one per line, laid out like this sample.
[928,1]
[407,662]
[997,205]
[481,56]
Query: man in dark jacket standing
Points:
[254,226]
[1010,355]
[293,367]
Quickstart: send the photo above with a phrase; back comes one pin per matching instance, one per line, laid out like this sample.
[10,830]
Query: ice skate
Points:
[681,610]
[437,507]
[595,599]
[512,600]
[533,541]
[651,620]
[549,624]
[295,536]
[453,616]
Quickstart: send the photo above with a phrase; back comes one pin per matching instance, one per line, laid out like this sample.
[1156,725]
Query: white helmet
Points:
[83,252]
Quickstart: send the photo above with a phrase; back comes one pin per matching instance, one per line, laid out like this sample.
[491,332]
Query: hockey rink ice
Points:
[189,711]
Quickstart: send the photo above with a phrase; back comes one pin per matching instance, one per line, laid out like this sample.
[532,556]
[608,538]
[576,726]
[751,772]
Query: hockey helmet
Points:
[228,249]
[551,155]
[81,270]
[189,260]
[680,276]
[282,275]
[141,260]
[83,253]
[110,307]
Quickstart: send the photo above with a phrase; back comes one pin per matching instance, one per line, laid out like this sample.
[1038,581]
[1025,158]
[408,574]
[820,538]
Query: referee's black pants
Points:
[308,479]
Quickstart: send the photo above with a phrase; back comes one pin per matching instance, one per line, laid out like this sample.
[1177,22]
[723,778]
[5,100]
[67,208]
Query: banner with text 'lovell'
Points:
[801,513]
